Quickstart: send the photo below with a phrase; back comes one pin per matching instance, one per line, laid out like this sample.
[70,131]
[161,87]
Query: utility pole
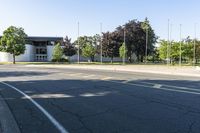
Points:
[101,42]
[146,45]
[124,59]
[180,57]
[168,44]
[78,46]
[194,54]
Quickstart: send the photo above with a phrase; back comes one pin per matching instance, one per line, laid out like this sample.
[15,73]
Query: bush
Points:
[60,60]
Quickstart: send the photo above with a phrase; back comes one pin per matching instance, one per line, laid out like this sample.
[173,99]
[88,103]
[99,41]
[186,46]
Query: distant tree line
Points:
[187,50]
[135,42]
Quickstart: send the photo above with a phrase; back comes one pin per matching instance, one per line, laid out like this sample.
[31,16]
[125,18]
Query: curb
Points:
[7,121]
[173,72]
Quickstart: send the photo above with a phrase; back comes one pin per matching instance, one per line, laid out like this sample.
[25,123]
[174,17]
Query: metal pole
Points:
[78,46]
[180,58]
[124,46]
[146,45]
[194,54]
[168,44]
[101,42]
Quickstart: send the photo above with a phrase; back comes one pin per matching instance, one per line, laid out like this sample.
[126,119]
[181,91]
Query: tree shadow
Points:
[104,106]
[21,73]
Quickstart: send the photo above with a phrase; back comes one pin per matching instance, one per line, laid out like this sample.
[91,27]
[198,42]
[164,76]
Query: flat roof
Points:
[39,38]
[43,38]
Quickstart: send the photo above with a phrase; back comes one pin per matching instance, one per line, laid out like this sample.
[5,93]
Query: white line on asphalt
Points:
[177,87]
[49,116]
[75,74]
[167,89]
[106,78]
[88,76]
[158,86]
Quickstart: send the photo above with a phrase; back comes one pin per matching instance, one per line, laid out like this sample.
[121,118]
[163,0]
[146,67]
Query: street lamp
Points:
[168,44]
[146,44]
[78,60]
[124,58]
[101,42]
[180,57]
[194,52]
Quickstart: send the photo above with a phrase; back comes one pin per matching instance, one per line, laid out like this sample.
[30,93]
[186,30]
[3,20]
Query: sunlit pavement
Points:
[85,101]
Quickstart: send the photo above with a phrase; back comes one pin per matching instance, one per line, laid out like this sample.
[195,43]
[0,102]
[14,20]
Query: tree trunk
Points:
[142,58]
[13,58]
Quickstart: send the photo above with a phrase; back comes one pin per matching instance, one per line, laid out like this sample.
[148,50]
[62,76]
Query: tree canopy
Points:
[13,41]
[57,52]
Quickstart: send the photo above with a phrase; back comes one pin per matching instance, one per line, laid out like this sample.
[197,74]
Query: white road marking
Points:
[106,78]
[49,116]
[177,87]
[88,76]
[157,86]
[75,74]
[167,89]
[126,81]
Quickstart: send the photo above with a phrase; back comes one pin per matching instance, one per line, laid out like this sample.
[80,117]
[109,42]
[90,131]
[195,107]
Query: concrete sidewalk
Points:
[7,122]
[158,69]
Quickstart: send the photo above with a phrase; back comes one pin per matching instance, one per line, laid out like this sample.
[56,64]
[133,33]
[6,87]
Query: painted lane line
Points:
[88,76]
[47,114]
[106,78]
[171,86]
[166,89]
[157,86]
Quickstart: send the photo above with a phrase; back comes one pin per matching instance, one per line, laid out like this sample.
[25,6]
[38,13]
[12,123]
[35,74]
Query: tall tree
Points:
[69,49]
[13,41]
[123,51]
[57,52]
[110,45]
[89,51]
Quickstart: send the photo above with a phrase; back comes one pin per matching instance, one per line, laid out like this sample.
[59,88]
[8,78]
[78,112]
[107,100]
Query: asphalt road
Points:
[46,100]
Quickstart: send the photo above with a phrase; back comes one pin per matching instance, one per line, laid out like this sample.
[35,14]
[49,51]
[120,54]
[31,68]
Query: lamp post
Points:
[101,42]
[124,58]
[194,52]
[180,56]
[168,44]
[78,60]
[146,44]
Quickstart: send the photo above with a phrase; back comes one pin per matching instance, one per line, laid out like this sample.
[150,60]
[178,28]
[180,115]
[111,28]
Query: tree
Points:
[110,45]
[89,51]
[57,52]
[69,48]
[163,50]
[123,51]
[13,41]
[135,40]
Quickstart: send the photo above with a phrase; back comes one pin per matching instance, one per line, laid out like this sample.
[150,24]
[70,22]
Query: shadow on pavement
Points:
[21,73]
[84,106]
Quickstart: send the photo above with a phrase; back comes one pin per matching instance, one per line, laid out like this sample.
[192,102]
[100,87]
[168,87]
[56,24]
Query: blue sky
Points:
[60,17]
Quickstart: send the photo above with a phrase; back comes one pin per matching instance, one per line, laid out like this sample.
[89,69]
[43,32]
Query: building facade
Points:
[38,49]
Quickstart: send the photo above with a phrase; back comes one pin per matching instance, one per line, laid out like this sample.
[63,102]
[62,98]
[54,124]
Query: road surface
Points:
[44,100]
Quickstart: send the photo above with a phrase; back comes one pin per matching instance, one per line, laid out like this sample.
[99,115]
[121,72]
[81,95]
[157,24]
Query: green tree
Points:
[13,41]
[57,52]
[163,50]
[89,51]
[69,48]
[123,51]
[110,45]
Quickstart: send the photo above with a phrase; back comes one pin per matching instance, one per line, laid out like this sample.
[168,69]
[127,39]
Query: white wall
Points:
[26,57]
[96,58]
[49,52]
